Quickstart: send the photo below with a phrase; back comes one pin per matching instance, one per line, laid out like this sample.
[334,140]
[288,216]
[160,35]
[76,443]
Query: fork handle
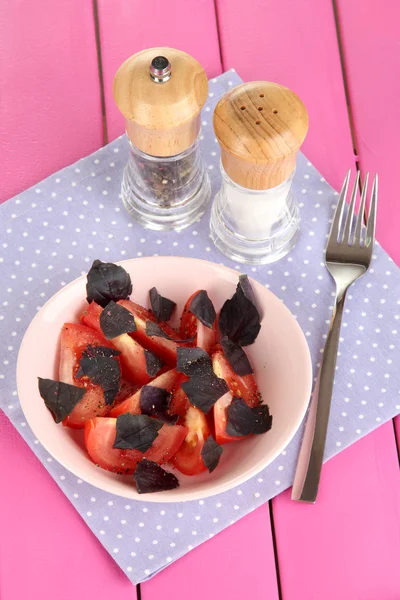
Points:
[308,472]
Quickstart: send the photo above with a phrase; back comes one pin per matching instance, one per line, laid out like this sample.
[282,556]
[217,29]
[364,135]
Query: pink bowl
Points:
[280,357]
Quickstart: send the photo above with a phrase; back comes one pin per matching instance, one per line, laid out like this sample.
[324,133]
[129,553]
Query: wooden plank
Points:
[49,105]
[49,117]
[234,562]
[370,38]
[127,27]
[47,551]
[295,44]
[347,545]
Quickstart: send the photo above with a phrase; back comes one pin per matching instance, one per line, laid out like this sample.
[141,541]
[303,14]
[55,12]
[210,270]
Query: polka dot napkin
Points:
[51,234]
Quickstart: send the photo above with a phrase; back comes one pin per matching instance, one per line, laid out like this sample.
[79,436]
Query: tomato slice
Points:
[192,327]
[133,360]
[167,381]
[163,348]
[100,437]
[240,386]
[188,459]
[179,401]
[73,340]
[91,316]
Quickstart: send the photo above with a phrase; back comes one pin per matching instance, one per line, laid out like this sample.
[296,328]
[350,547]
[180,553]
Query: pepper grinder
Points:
[160,92]
[260,126]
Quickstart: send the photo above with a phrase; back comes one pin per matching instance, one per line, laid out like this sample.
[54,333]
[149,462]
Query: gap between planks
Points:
[221,58]
[278,576]
[100,70]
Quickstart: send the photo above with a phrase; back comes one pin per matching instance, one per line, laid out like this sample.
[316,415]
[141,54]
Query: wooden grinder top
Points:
[260,126]
[161,107]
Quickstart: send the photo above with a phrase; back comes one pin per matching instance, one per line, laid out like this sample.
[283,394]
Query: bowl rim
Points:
[215,488]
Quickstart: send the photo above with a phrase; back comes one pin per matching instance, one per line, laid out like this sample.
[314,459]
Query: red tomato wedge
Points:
[100,437]
[126,389]
[179,401]
[192,327]
[163,348]
[188,459]
[133,361]
[240,386]
[167,381]
[220,420]
[73,340]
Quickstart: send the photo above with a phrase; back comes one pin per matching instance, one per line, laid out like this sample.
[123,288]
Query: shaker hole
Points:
[258,122]
[242,108]
[260,108]
[275,111]
[261,95]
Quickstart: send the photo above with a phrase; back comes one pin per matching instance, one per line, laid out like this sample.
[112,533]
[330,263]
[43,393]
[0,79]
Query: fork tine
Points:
[337,219]
[360,217]
[350,212]
[372,213]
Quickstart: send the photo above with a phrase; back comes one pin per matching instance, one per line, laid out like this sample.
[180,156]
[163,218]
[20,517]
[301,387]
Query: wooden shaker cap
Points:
[260,126]
[162,118]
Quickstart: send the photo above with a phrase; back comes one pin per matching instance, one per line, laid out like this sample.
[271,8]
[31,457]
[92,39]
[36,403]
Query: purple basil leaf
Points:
[193,361]
[154,330]
[101,351]
[203,391]
[116,320]
[247,289]
[136,432]
[153,363]
[153,399]
[236,357]
[202,308]
[60,398]
[239,319]
[211,453]
[106,282]
[243,420]
[98,364]
[154,402]
[150,477]
[161,307]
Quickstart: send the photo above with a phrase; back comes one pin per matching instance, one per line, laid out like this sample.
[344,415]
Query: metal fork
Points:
[348,257]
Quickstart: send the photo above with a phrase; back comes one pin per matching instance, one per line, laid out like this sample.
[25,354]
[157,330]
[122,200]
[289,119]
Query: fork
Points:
[348,257]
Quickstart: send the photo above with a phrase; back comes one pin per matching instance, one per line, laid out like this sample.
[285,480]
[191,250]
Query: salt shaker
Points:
[160,92]
[260,126]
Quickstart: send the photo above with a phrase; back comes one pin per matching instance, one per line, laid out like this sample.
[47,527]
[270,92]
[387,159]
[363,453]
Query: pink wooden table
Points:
[57,61]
